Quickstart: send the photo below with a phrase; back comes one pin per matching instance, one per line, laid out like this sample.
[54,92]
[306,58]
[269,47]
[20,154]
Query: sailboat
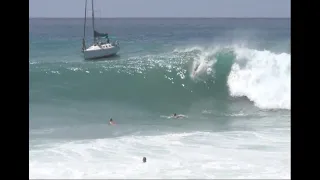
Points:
[101,46]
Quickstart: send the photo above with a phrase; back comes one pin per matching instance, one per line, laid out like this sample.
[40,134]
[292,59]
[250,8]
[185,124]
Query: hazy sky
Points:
[162,8]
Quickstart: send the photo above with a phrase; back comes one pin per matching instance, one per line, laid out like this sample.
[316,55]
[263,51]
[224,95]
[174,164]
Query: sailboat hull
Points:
[100,51]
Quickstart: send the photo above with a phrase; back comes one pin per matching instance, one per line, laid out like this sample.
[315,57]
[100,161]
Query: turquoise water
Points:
[230,78]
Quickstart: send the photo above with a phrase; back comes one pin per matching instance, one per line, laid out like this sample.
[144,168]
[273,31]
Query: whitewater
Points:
[231,86]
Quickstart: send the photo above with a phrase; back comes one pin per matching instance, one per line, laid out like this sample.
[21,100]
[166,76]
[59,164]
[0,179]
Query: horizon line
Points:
[163,17]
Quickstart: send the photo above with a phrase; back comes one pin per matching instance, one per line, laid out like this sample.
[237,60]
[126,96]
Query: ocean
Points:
[230,79]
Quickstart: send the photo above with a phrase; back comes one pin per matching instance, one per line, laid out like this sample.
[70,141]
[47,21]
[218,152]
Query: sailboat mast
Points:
[94,39]
[84,27]
[85,20]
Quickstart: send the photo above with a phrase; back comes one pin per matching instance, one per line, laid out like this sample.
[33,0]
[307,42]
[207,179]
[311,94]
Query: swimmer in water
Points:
[175,115]
[144,159]
[111,122]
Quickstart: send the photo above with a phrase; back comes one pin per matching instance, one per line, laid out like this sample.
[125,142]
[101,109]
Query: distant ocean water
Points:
[229,77]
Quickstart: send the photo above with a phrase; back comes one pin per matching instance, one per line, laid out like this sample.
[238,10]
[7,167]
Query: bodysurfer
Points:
[111,122]
[175,115]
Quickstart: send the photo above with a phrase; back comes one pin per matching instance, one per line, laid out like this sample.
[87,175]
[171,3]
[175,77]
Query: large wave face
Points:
[263,77]
[181,76]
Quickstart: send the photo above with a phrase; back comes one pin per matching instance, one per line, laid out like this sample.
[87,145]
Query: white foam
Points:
[184,155]
[262,76]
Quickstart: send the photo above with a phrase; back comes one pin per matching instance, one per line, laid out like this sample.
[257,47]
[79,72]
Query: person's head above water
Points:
[175,114]
[144,159]
[111,120]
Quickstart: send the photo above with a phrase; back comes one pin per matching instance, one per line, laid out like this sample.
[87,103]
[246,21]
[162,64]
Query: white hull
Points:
[99,51]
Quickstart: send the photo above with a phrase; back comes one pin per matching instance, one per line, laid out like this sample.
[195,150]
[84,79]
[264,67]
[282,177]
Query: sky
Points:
[162,8]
